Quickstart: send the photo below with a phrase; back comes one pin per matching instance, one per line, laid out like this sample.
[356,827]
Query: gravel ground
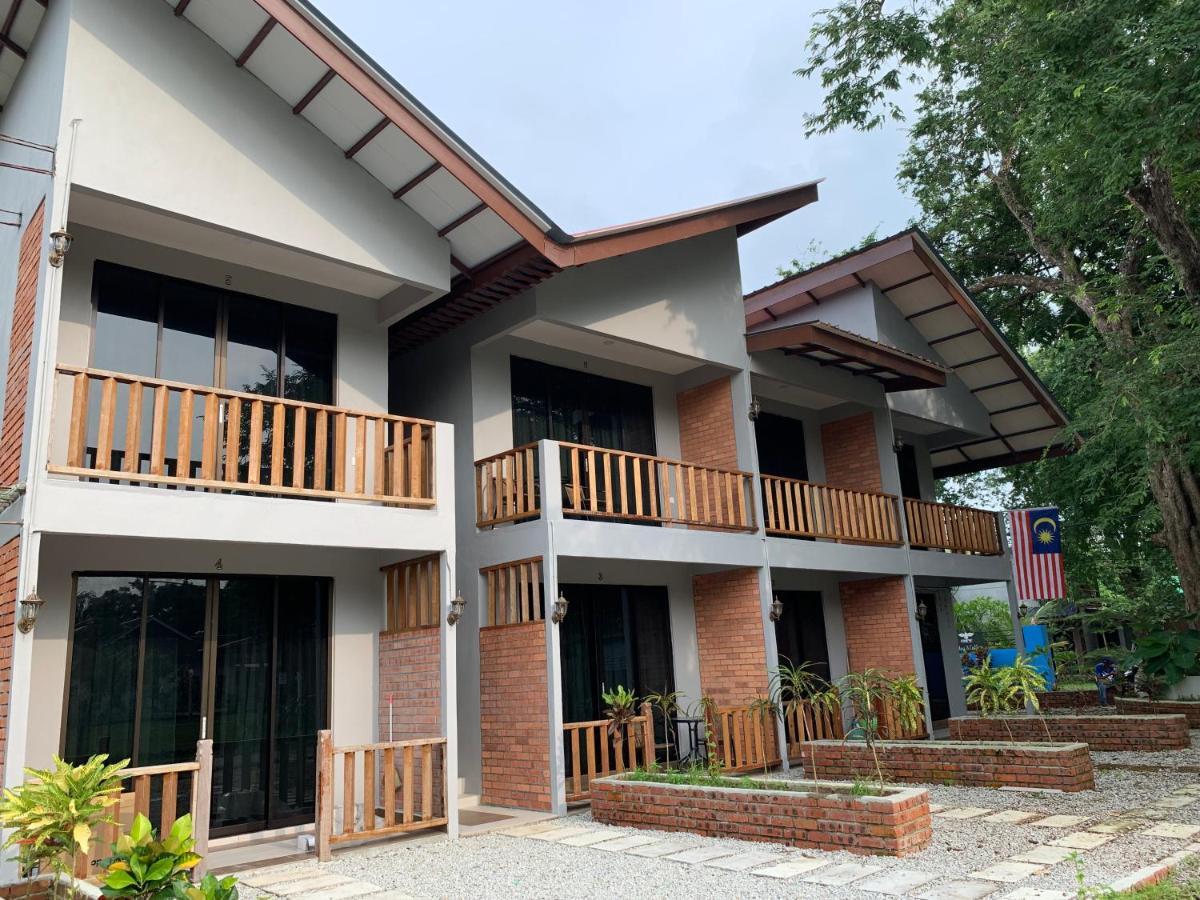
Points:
[1167,759]
[498,865]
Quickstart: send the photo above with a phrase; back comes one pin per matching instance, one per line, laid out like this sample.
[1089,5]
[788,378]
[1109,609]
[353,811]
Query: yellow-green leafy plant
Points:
[619,709]
[53,813]
[143,867]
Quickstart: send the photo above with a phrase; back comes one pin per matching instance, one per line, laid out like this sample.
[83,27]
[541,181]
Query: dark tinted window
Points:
[126,335]
[780,443]
[309,340]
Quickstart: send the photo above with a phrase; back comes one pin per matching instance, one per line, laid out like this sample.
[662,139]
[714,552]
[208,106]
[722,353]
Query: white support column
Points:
[771,648]
[444,486]
[551,479]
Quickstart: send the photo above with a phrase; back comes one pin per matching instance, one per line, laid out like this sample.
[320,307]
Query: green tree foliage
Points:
[1054,153]
[985,617]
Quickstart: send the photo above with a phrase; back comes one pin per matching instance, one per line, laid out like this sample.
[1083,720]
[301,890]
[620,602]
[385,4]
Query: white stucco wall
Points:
[171,123]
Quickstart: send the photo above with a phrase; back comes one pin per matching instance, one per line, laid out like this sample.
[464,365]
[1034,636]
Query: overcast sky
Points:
[608,112]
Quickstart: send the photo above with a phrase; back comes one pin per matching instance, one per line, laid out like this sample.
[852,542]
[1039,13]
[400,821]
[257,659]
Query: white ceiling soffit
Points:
[1024,417]
[19,20]
[270,53]
[590,343]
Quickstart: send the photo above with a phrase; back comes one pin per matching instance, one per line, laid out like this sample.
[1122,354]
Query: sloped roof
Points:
[501,243]
[1025,419]
[19,21]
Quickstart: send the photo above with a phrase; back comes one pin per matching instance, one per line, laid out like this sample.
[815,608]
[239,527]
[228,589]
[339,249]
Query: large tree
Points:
[1054,151]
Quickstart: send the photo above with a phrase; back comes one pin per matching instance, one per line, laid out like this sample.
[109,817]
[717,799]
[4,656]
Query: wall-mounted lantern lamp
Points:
[776,612]
[29,613]
[60,243]
[922,609]
[897,444]
[755,409]
[457,605]
[1023,609]
[560,610]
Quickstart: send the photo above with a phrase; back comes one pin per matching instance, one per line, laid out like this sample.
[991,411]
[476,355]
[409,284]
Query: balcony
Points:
[614,485]
[128,428]
[802,509]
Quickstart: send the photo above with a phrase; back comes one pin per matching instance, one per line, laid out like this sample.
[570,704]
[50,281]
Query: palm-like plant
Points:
[798,686]
[667,703]
[908,703]
[1027,681]
[52,815]
[992,690]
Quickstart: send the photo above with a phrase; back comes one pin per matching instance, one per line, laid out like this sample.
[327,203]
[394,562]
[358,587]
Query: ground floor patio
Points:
[1001,844]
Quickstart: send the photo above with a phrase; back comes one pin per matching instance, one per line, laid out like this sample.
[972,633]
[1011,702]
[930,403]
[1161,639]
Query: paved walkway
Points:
[1068,838]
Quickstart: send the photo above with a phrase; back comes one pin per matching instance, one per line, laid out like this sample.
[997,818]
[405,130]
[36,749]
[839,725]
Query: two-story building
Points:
[289,366]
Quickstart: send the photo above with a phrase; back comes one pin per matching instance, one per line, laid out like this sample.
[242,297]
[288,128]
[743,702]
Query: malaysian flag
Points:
[1037,554]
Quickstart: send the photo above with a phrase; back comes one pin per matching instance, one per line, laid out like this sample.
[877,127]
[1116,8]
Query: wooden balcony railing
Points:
[634,487]
[147,430]
[808,721]
[961,529]
[803,509]
[592,750]
[506,487]
[745,738]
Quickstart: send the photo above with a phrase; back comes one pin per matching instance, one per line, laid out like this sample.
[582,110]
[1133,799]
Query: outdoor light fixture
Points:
[1023,609]
[560,610]
[457,605]
[754,410]
[776,612]
[29,613]
[60,243]
[922,609]
[897,443]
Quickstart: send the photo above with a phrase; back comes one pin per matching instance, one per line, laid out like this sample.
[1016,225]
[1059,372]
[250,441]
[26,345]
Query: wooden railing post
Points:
[202,802]
[324,794]
[649,757]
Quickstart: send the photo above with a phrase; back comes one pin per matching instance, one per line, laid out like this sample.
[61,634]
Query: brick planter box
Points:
[895,824]
[1082,698]
[1113,733]
[1138,706]
[1063,767]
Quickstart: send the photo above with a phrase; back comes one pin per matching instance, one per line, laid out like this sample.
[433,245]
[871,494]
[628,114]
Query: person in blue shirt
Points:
[1105,675]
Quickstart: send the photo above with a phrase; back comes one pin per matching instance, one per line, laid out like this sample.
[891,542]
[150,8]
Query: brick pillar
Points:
[514,719]
[20,350]
[706,425]
[878,632]
[410,698]
[851,453]
[729,634]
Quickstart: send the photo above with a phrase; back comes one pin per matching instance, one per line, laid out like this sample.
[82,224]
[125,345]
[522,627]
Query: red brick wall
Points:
[10,555]
[410,677]
[515,716]
[851,454]
[1105,732]
[1189,709]
[729,633]
[20,349]
[878,634]
[706,425]
[894,825]
[1063,767]
[38,889]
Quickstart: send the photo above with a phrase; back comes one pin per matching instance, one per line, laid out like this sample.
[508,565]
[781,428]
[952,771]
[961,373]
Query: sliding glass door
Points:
[159,661]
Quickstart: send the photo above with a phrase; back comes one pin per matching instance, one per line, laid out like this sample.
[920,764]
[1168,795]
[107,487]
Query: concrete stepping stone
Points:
[1045,855]
[846,873]
[653,851]
[960,889]
[1010,816]
[1082,840]
[341,892]
[1009,871]
[964,812]
[794,866]
[701,854]
[744,861]
[936,807]
[1146,812]
[590,837]
[266,878]
[1059,822]
[895,882]
[1176,802]
[1028,893]
[1191,789]
[314,881]
[1173,830]
[620,845]
[1116,826]
[532,828]
[558,834]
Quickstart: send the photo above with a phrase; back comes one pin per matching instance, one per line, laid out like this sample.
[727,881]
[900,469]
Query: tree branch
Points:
[1155,197]
[1032,283]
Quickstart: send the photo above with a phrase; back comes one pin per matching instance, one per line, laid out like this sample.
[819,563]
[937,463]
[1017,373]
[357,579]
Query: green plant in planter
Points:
[52,815]
[706,709]
[667,703]
[1169,654]
[620,709]
[870,689]
[764,709]
[144,867]
[796,685]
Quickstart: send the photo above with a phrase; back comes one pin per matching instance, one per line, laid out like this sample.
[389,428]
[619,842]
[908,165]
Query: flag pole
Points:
[1014,606]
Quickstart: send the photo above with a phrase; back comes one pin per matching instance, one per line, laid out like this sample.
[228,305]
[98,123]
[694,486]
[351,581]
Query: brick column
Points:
[515,716]
[878,631]
[706,434]
[410,694]
[852,453]
[729,635]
